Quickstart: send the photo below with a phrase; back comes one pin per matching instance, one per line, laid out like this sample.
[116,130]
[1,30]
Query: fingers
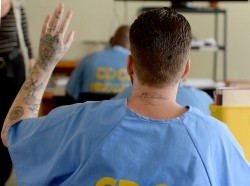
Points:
[50,24]
[51,27]
[69,39]
[45,24]
[53,24]
[65,24]
[57,18]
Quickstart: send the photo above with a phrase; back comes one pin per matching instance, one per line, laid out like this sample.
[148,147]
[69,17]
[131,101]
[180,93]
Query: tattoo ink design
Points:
[32,85]
[53,28]
[152,98]
[16,113]
[59,15]
[49,29]
[51,50]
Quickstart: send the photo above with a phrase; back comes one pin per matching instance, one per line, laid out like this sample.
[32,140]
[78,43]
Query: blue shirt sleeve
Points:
[229,165]
[39,144]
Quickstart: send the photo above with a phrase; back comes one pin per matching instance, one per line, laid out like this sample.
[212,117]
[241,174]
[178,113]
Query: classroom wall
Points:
[96,20]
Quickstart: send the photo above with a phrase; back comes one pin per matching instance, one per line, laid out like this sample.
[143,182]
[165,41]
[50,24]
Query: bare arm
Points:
[51,49]
[32,62]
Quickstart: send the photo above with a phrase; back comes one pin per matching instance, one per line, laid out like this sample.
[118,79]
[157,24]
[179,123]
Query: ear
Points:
[130,68]
[187,69]
[111,40]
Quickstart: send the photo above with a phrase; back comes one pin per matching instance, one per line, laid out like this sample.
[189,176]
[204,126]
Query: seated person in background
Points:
[147,139]
[103,71]
[186,95]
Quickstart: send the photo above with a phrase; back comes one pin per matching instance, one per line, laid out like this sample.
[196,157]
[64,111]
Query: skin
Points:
[149,101]
[158,103]
[51,49]
[5,7]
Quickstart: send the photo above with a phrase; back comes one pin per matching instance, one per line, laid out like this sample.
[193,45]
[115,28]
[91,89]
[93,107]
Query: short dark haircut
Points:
[160,42]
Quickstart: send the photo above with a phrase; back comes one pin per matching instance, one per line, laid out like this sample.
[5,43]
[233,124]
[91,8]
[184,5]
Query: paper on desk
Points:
[236,97]
[61,81]
[203,83]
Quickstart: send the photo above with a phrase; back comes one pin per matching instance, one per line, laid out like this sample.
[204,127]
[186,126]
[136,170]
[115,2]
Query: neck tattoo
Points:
[152,98]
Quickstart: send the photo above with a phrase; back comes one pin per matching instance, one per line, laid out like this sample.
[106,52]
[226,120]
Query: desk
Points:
[47,103]
[65,67]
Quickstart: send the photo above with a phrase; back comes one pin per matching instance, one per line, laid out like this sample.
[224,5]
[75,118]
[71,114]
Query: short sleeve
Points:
[39,145]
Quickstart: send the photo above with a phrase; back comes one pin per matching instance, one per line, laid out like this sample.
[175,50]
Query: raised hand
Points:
[51,49]
[52,45]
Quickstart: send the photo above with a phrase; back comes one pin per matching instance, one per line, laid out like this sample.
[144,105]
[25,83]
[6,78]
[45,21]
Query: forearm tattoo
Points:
[51,49]
[31,86]
[35,83]
[16,113]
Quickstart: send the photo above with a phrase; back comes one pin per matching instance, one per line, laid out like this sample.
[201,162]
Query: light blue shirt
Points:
[104,71]
[106,143]
[186,95]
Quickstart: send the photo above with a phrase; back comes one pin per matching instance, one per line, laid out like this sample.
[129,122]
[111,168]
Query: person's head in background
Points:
[160,42]
[121,37]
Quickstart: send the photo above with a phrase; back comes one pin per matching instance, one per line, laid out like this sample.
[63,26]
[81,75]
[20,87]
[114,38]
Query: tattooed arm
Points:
[51,49]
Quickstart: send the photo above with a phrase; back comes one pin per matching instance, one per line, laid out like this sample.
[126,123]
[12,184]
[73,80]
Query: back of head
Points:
[121,37]
[160,41]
